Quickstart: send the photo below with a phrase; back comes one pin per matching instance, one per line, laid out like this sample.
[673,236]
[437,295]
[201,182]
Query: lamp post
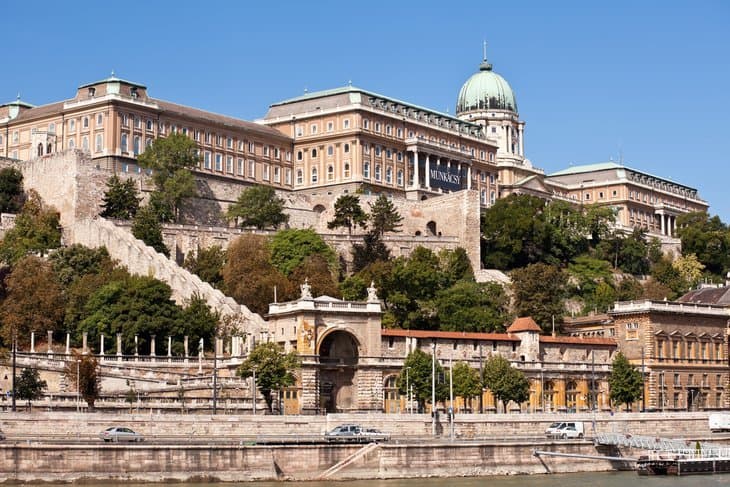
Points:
[451,397]
[433,389]
[78,390]
[408,394]
[215,374]
[253,392]
[15,345]
[643,385]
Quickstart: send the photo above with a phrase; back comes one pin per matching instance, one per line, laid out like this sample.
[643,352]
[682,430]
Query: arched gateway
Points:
[339,343]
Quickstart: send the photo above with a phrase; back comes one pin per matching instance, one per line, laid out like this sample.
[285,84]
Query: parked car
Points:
[566,429]
[719,422]
[120,433]
[355,433]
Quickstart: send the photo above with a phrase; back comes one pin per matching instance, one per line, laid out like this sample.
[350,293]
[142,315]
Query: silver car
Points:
[120,433]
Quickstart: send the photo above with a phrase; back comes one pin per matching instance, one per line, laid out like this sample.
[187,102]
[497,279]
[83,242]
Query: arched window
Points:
[71,143]
[330,150]
[366,170]
[300,176]
[346,170]
[99,145]
[40,150]
[431,226]
[377,172]
[136,144]
[399,177]
[330,172]
[85,142]
[49,148]
[314,175]
[124,143]
[85,122]
[346,148]
[389,175]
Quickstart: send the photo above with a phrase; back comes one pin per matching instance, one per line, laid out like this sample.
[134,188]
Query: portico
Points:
[433,166]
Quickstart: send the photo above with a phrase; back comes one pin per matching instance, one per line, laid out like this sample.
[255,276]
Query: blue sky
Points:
[644,81]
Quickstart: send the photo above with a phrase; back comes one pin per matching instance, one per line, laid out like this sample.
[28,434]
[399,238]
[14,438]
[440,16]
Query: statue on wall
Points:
[372,293]
[306,290]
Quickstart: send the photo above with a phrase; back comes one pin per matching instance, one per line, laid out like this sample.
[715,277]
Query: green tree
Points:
[34,300]
[706,237]
[171,159]
[456,266]
[147,228]
[258,206]
[506,383]
[689,269]
[539,290]
[274,369]
[289,248]
[471,307]
[467,383]
[317,271]
[413,281]
[121,199]
[625,381]
[664,273]
[36,230]
[75,261]
[249,276]
[372,250]
[198,320]
[207,264]
[348,213]
[384,217]
[29,386]
[84,371]
[419,365]
[11,190]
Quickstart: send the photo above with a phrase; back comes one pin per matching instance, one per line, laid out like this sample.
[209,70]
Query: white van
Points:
[565,430]
[719,422]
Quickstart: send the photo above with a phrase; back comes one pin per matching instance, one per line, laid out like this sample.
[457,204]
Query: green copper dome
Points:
[486,90]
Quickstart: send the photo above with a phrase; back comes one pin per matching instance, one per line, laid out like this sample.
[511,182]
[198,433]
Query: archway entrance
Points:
[338,357]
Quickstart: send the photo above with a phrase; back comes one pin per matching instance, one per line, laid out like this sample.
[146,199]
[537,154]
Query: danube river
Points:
[601,479]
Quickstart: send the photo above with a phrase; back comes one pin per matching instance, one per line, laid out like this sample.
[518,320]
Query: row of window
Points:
[215,162]
[601,195]
[677,381]
[330,152]
[314,127]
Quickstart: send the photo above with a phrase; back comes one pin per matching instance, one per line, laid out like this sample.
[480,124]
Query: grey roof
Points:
[599,166]
[708,295]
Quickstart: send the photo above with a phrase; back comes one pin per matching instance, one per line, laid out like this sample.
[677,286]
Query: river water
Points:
[600,479]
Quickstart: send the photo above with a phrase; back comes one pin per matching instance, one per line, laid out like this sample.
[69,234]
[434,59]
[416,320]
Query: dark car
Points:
[120,433]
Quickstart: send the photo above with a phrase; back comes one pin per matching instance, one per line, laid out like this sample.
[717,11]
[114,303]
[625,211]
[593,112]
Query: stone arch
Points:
[431,227]
[339,352]
[318,209]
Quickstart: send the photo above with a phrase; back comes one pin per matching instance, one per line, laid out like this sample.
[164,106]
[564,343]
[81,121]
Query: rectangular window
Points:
[229,164]
[330,126]
[277,153]
[313,129]
[229,142]
[299,130]
[240,167]
[288,156]
[218,162]
[206,160]
[346,123]
[207,137]
[287,176]
[266,150]
[277,174]
[251,148]
[265,176]
[252,169]
[99,145]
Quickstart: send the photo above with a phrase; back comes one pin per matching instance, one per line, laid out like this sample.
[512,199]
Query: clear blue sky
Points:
[647,81]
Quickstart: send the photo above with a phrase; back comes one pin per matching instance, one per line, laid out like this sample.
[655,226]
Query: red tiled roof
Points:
[450,335]
[523,324]
[578,340]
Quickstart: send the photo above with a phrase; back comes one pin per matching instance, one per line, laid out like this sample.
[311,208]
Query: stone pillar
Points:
[50,342]
[369,393]
[169,347]
[661,219]
[101,345]
[136,348]
[468,176]
[85,343]
[32,342]
[185,345]
[415,169]
[522,140]
[119,346]
[674,225]
[427,176]
[68,344]
[152,346]
[309,398]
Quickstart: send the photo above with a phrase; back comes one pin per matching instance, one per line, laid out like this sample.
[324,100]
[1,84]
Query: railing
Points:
[648,305]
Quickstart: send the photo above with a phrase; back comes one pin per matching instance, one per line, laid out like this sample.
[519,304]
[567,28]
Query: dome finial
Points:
[485,66]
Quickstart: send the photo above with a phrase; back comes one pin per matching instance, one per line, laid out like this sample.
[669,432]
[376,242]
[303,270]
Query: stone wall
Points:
[230,452]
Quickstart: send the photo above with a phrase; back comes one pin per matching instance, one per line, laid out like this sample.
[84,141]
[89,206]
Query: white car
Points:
[120,433]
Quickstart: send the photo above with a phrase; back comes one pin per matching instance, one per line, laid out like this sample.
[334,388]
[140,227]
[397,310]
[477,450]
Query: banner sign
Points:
[445,178]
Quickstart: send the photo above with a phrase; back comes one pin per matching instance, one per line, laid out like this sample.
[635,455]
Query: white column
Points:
[32,342]
[428,171]
[101,345]
[522,141]
[50,342]
[68,343]
[119,346]
[468,176]
[674,225]
[169,346]
[415,168]
[661,219]
[508,131]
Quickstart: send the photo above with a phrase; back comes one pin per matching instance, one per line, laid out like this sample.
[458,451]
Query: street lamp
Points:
[215,374]
[433,389]
[253,392]
[15,345]
[78,391]
[408,395]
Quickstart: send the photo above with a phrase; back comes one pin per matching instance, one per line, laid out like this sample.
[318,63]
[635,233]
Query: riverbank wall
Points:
[229,448]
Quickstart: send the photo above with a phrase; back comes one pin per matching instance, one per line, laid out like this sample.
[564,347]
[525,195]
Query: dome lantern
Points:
[485,90]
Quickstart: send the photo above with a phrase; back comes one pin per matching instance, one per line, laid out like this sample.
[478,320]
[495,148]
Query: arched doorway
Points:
[338,358]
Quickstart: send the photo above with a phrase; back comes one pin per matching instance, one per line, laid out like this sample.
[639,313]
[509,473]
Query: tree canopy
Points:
[539,290]
[258,206]
[419,365]
[121,199]
[348,213]
[384,217]
[11,190]
[289,248]
[274,369]
[207,263]
[146,227]
[506,383]
[29,386]
[37,230]
[83,369]
[625,382]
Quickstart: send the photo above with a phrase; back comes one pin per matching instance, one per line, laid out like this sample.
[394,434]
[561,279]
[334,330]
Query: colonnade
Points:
[432,160]
[668,223]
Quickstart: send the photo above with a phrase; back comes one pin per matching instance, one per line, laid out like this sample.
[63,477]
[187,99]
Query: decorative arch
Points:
[339,352]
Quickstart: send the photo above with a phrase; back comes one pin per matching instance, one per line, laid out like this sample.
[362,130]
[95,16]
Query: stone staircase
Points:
[144,260]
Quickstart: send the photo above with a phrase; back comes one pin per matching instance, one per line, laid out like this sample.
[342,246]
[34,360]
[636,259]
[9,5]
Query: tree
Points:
[36,230]
[538,292]
[147,228]
[689,269]
[625,381]
[706,237]
[471,307]
[74,262]
[258,206]
[274,369]
[198,320]
[504,381]
[207,264]
[34,300]
[289,248]
[121,199]
[372,250]
[317,271]
[249,276]
[383,216]
[419,365]
[84,371]
[456,266]
[348,213]
[467,383]
[29,386]
[11,190]
[171,158]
